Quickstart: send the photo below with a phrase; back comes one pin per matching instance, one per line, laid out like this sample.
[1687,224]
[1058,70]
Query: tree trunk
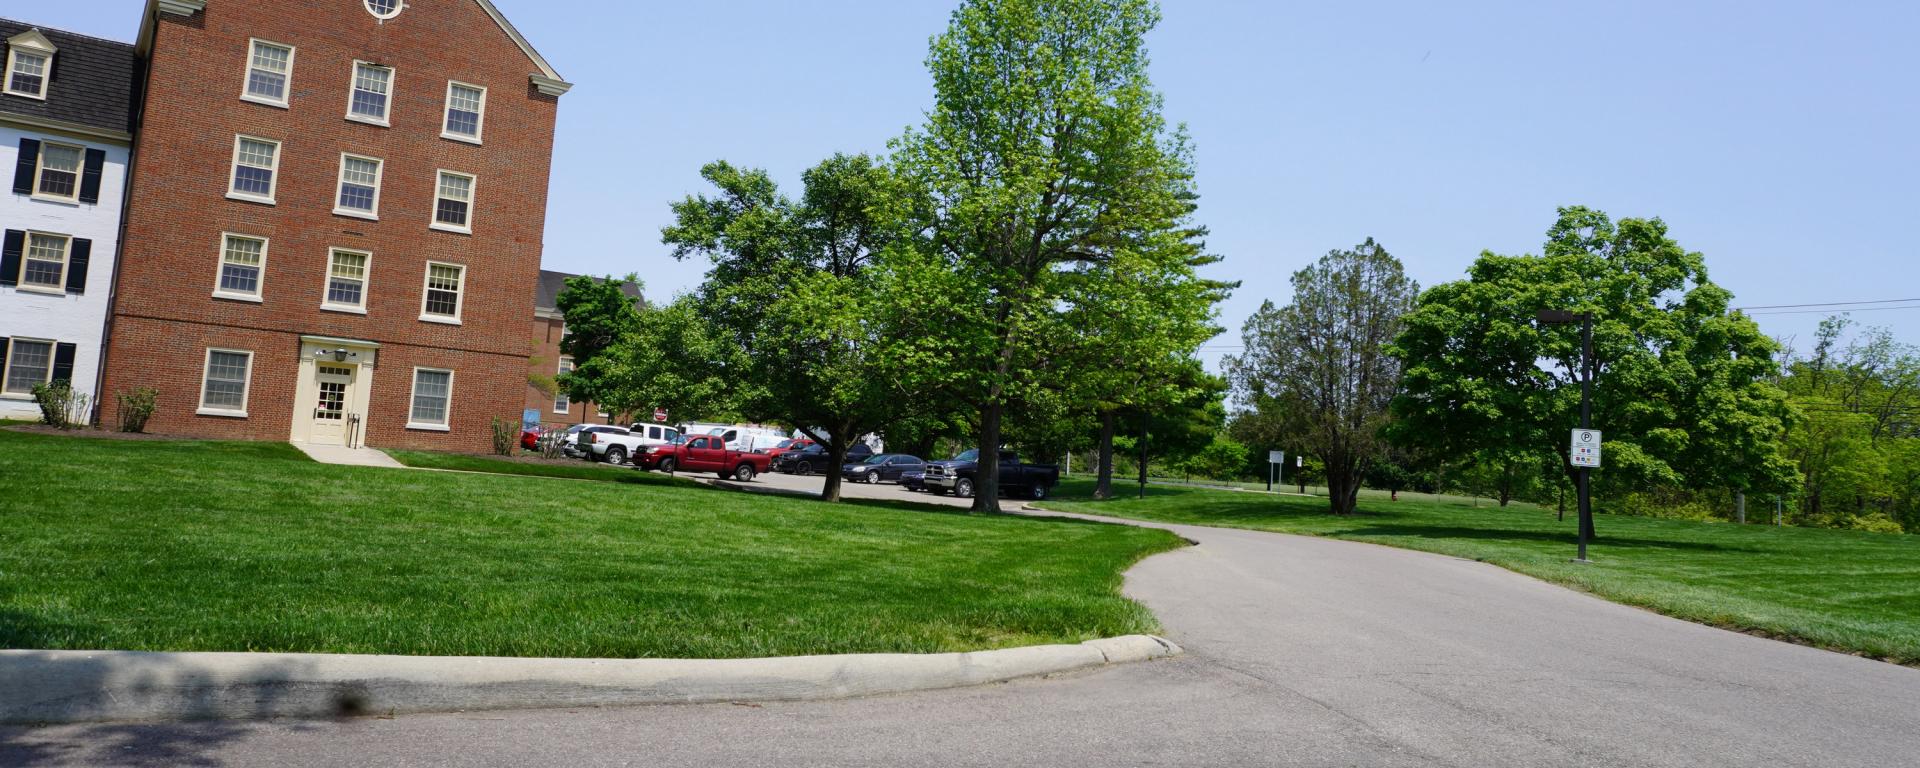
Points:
[836,456]
[1343,488]
[1143,462]
[1740,507]
[1103,484]
[986,480]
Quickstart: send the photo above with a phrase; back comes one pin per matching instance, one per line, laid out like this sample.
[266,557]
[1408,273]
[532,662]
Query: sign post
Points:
[1275,460]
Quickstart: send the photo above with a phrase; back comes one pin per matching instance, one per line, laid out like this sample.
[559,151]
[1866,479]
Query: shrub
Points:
[552,442]
[135,408]
[506,435]
[60,406]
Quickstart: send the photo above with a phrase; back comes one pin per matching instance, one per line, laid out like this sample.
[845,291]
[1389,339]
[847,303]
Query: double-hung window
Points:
[359,187]
[256,163]
[372,93]
[453,203]
[243,260]
[44,263]
[466,107]
[27,70]
[441,303]
[29,364]
[57,175]
[269,73]
[432,390]
[347,281]
[562,403]
[223,385]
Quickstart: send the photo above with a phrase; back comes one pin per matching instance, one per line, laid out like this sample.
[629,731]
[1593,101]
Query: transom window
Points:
[255,162]
[29,364]
[27,72]
[242,259]
[59,172]
[269,67]
[347,280]
[465,105]
[452,209]
[45,265]
[385,9]
[431,391]
[562,403]
[223,390]
[372,84]
[443,291]
[359,186]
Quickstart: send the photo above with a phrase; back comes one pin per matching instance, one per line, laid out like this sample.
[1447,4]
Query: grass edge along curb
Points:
[118,686]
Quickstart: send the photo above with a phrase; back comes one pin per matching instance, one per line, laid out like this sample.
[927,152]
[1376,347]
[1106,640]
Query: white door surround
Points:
[333,391]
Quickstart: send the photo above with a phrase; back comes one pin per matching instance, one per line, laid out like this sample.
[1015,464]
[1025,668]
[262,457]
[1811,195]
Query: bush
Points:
[60,406]
[506,435]
[135,408]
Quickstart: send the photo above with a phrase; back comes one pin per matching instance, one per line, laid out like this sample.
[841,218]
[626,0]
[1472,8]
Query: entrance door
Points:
[330,413]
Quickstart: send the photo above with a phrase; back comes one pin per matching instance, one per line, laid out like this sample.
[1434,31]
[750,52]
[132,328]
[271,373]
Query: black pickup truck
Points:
[1031,481]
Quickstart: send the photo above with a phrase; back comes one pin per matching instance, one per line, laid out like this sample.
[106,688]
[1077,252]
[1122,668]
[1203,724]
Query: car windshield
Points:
[878,459]
[973,455]
[785,444]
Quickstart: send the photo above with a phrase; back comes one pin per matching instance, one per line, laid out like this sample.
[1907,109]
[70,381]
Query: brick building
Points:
[336,208]
[66,115]
[544,407]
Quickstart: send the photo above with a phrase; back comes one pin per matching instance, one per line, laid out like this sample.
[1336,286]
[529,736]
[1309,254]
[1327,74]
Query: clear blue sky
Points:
[1780,139]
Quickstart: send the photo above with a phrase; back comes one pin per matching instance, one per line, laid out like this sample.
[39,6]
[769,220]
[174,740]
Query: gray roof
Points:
[92,85]
[547,293]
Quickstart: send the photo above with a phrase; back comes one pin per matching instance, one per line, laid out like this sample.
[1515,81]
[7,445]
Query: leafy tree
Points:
[673,358]
[1045,154]
[1319,366]
[1858,435]
[598,313]
[1683,394]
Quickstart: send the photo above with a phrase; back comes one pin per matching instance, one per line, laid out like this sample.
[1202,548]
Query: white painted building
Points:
[65,115]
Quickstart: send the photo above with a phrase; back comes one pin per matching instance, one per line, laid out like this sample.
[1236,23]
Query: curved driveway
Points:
[1300,651]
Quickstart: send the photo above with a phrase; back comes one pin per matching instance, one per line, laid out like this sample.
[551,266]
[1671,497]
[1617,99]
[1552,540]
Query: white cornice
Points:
[182,7]
[550,86]
[62,126]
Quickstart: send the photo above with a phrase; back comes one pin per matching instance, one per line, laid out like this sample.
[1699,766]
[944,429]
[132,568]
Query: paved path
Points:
[1300,651]
[357,457]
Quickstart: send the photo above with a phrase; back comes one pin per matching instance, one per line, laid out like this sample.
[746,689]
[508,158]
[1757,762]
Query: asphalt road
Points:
[1300,651]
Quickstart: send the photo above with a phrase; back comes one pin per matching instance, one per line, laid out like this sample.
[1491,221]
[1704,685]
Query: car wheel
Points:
[963,488]
[616,455]
[743,473]
[872,478]
[803,468]
[666,465]
[1039,493]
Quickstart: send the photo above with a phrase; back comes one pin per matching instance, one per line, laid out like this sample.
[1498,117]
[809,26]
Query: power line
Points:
[1829,311]
[1827,304]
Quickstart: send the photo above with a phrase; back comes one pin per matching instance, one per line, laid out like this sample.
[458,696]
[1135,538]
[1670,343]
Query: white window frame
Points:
[66,263]
[273,183]
[326,285]
[565,365]
[446,113]
[14,49]
[385,120]
[79,172]
[414,390]
[473,191]
[247,80]
[379,172]
[246,388]
[220,270]
[398,6]
[6,372]
[459,297]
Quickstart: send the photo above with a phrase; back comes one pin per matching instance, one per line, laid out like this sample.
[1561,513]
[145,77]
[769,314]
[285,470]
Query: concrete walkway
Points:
[1300,651]
[353,457]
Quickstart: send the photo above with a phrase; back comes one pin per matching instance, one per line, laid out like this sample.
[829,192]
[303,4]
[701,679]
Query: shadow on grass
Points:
[1506,534]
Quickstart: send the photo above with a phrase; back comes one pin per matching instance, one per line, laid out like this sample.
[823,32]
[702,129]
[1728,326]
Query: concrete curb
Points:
[102,686]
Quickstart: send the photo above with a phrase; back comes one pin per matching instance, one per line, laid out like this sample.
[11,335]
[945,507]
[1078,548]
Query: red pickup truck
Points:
[704,453]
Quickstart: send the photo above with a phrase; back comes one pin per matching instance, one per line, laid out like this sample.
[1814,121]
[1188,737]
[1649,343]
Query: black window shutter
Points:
[10,257]
[4,343]
[78,255]
[63,363]
[90,179]
[23,168]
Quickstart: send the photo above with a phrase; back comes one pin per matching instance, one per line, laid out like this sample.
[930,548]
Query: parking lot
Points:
[886,491]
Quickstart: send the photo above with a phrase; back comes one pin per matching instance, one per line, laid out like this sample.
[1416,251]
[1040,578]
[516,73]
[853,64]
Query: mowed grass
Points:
[1847,591]
[571,469]
[210,546]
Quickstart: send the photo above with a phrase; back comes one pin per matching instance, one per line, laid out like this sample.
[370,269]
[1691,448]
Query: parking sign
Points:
[1586,448]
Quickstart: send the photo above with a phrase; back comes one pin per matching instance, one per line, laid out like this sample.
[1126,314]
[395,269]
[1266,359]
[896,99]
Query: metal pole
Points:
[1586,422]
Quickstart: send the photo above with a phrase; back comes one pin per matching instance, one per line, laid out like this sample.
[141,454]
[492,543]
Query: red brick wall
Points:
[164,316]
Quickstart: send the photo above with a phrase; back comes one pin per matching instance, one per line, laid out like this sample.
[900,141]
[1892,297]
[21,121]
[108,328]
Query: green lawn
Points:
[1844,590]
[572,469]
[249,546]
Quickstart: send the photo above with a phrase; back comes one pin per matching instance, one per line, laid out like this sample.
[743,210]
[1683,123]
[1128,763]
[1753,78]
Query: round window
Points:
[384,9]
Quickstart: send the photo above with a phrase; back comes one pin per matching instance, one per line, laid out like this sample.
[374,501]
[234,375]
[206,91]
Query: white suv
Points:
[580,437]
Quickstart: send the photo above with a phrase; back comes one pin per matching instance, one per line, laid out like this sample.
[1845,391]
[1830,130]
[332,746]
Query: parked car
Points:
[530,438]
[1033,481]
[881,468]
[617,448]
[814,458]
[794,444]
[580,438]
[914,479]
[704,453]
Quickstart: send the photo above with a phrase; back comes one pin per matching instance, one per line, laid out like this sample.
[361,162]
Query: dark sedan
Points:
[813,458]
[882,467]
[915,480]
